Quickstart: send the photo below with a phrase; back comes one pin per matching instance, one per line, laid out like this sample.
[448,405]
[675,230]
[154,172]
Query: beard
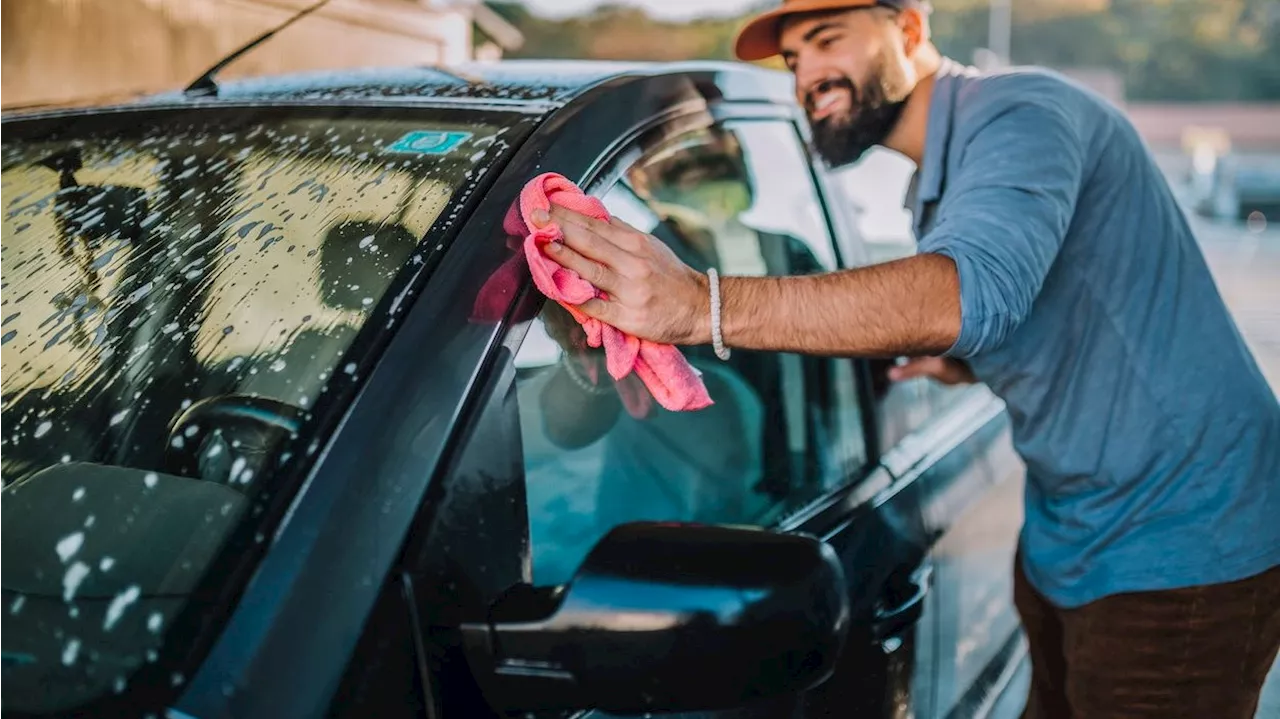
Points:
[843,139]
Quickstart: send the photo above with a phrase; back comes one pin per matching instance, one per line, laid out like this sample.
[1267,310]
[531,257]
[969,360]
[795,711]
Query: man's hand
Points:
[651,293]
[943,369]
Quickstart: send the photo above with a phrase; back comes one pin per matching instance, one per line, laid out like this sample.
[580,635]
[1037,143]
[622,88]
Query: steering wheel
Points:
[229,439]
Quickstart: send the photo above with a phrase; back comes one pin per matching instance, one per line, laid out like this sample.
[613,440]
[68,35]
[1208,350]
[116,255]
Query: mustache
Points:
[834,83]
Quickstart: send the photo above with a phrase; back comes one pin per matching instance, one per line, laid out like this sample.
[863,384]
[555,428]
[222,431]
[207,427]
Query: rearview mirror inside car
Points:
[90,214]
[668,617]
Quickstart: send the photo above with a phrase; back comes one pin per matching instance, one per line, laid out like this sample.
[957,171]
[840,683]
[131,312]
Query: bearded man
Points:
[1056,266]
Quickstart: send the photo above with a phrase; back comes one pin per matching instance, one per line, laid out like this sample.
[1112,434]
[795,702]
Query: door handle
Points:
[893,621]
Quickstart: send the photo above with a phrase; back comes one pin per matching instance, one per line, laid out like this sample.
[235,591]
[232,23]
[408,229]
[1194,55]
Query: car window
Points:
[181,294]
[783,429]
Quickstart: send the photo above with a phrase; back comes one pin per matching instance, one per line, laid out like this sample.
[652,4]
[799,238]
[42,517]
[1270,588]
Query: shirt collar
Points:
[927,182]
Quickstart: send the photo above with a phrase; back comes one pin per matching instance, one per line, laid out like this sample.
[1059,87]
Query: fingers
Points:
[599,309]
[601,241]
[594,272]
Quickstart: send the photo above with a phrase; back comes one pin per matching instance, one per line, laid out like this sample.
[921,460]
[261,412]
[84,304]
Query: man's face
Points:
[852,77]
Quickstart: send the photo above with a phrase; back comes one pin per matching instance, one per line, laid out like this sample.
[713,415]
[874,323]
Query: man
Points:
[1055,266]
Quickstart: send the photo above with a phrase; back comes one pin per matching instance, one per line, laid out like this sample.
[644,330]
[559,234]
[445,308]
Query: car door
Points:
[953,441]
[785,445]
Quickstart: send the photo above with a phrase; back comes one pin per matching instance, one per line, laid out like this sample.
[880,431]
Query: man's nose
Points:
[808,74]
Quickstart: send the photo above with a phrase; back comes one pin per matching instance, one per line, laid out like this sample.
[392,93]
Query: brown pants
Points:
[1195,652]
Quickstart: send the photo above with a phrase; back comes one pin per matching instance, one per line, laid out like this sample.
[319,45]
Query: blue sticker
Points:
[429,142]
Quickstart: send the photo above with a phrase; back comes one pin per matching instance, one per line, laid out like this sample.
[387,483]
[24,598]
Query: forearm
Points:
[906,307]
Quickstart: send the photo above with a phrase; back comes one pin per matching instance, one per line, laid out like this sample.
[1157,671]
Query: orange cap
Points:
[759,39]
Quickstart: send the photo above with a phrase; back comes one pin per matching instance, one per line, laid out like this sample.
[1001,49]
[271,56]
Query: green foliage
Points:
[1176,50]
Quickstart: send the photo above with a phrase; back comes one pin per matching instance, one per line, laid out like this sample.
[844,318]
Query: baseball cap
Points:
[759,38]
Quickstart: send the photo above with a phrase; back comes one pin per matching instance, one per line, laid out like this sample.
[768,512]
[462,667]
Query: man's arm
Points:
[1002,222]
[908,306]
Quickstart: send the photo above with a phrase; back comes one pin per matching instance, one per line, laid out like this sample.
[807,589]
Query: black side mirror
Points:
[668,617]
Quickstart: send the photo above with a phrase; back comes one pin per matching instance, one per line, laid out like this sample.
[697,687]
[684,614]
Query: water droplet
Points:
[88,522]
[17,604]
[71,580]
[120,603]
[77,495]
[118,686]
[154,622]
[278,365]
[118,417]
[70,651]
[66,459]
[366,301]
[106,564]
[1257,222]
[366,241]
[177,679]
[150,479]
[69,545]
[237,467]
[350,368]
[43,429]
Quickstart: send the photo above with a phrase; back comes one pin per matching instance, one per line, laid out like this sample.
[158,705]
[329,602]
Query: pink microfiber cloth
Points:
[665,372]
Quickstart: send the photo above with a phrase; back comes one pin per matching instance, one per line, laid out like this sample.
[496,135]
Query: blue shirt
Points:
[1151,438]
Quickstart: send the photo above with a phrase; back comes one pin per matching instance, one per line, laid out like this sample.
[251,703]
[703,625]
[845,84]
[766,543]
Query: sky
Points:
[667,9]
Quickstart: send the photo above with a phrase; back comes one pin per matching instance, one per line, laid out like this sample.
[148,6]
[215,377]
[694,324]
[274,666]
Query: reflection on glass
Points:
[783,429]
[178,297]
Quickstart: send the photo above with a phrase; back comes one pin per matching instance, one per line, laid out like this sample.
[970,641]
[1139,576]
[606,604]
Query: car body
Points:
[1236,184]
[289,433]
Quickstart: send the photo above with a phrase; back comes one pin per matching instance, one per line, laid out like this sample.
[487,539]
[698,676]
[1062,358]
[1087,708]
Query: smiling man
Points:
[1056,267]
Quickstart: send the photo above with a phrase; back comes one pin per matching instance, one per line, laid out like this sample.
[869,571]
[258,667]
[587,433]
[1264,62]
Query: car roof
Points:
[533,85]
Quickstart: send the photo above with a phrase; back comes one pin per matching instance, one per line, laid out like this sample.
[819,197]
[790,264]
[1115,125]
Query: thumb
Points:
[598,309]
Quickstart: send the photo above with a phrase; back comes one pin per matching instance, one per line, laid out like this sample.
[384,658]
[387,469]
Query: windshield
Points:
[185,299]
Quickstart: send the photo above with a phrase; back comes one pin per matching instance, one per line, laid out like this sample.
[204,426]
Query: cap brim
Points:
[758,39]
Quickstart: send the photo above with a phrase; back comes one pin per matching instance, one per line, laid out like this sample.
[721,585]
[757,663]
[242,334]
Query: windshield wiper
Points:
[206,85]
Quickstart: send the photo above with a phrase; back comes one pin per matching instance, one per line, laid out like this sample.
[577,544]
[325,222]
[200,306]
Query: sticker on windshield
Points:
[429,142]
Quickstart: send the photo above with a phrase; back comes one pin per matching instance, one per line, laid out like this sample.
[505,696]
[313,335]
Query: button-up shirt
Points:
[1151,438]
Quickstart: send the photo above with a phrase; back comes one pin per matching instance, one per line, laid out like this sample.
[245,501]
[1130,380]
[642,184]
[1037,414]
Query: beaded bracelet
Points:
[717,339]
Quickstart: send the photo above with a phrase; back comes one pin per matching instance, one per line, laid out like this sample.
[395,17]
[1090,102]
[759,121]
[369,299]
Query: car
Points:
[288,431]
[1236,185]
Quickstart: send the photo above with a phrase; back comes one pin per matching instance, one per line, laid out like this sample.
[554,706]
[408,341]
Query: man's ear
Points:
[915,29]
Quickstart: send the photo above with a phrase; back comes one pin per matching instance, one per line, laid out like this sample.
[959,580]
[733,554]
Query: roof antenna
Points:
[205,86]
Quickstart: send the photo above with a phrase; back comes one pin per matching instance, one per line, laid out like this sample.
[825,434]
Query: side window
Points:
[783,430]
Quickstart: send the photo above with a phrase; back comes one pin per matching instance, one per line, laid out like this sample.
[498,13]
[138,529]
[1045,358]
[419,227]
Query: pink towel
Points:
[665,372]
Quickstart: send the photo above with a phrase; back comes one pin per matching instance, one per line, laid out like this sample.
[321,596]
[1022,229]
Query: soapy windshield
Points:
[183,294]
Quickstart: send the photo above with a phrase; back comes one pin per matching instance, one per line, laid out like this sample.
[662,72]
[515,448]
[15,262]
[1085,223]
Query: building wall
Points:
[78,51]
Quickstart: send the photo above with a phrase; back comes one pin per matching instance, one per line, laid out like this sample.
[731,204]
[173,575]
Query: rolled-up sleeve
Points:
[1004,215]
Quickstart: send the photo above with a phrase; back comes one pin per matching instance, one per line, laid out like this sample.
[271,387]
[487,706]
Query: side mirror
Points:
[668,617]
